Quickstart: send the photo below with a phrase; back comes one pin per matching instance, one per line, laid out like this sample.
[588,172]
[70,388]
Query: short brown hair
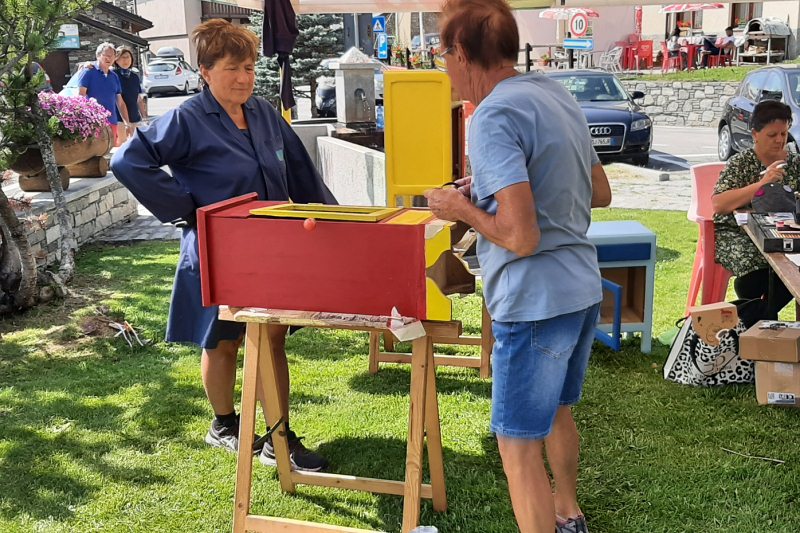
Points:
[485,29]
[218,38]
[122,49]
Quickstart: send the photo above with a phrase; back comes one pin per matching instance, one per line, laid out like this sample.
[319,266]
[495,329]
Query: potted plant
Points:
[79,129]
[544,59]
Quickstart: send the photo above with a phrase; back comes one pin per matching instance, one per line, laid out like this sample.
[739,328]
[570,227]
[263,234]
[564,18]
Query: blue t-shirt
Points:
[102,87]
[530,129]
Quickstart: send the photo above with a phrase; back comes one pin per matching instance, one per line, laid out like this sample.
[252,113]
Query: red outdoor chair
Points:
[643,52]
[668,62]
[720,60]
[707,274]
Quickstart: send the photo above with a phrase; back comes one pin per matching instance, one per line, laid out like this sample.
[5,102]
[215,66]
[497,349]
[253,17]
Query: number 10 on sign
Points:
[578,25]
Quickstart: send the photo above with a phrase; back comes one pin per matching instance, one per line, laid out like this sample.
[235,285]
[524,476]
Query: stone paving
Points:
[641,188]
[145,227]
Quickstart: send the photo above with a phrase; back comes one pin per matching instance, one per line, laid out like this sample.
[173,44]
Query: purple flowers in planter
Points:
[73,117]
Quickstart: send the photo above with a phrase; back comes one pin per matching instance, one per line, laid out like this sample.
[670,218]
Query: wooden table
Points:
[423,421]
[780,266]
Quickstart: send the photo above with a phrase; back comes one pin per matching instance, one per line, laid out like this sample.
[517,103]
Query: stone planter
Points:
[31,167]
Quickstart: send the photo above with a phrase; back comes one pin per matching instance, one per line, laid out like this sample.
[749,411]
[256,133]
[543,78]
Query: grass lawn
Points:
[95,436]
[711,74]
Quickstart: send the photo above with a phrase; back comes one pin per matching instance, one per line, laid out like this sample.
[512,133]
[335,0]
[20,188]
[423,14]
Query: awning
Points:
[684,8]
[404,6]
[378,6]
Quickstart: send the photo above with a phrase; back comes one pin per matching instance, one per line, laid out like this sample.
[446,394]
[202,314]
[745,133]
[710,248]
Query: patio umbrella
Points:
[565,13]
[681,8]
[280,34]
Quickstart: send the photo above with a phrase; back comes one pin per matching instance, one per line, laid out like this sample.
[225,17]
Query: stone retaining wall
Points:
[95,204]
[684,103]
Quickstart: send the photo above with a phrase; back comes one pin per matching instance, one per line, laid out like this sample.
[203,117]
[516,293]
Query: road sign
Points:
[578,24]
[383,46]
[579,44]
[378,24]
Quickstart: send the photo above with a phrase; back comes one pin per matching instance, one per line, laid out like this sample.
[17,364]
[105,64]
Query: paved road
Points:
[665,182]
[158,105]
[679,147]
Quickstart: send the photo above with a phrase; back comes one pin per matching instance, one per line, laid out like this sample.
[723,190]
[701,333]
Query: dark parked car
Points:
[326,97]
[781,82]
[618,126]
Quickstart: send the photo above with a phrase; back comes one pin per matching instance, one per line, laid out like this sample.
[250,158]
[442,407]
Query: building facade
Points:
[714,21]
[106,22]
[174,21]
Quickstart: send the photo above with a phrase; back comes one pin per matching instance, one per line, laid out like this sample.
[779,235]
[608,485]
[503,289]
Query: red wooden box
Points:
[339,267]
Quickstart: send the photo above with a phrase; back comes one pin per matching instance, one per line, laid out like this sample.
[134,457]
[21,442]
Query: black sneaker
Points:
[227,438]
[301,458]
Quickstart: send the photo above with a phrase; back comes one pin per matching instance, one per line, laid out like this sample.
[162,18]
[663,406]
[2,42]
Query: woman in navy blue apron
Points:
[222,143]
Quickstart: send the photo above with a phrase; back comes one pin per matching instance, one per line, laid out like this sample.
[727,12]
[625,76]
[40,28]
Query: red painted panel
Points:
[202,215]
[344,267]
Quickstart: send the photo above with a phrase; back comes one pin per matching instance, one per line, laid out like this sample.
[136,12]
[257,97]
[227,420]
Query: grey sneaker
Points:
[227,438]
[573,525]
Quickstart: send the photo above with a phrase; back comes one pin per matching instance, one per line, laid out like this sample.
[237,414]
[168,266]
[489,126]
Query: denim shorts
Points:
[537,367]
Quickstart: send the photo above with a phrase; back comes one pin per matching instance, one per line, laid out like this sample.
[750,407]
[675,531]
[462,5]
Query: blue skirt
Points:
[188,320]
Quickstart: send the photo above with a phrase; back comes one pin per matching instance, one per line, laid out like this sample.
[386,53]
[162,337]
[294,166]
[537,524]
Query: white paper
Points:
[404,330]
[772,218]
[741,218]
[794,258]
[781,398]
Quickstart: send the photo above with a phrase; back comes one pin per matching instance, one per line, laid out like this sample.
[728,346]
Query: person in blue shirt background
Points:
[221,143]
[530,202]
[102,84]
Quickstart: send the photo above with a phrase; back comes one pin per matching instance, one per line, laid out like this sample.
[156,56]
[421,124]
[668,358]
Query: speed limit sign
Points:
[578,24]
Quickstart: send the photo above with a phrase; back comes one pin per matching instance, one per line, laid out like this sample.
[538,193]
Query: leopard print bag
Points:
[694,362]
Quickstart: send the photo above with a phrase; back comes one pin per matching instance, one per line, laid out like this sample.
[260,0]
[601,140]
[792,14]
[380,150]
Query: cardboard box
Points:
[709,320]
[778,384]
[779,343]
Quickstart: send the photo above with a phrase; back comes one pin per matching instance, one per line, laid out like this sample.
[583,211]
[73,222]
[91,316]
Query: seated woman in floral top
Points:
[735,189]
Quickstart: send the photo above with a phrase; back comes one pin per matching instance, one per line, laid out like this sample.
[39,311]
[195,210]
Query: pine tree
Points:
[321,37]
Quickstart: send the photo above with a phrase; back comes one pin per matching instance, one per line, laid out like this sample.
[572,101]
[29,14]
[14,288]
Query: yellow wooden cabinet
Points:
[418,133]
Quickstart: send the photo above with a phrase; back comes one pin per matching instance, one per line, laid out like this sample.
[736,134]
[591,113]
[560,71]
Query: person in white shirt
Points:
[724,46]
[674,46]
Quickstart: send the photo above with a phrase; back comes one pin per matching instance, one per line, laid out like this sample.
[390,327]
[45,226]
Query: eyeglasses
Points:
[439,61]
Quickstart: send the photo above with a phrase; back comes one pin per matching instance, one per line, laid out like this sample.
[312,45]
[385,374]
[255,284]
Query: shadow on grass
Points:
[317,344]
[69,420]
[396,380]
[384,458]
[665,255]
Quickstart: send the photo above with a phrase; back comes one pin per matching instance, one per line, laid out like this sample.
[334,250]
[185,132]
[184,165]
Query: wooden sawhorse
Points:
[483,363]
[423,421]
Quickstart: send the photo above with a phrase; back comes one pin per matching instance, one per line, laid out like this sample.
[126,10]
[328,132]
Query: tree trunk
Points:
[67,243]
[17,264]
[314,113]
